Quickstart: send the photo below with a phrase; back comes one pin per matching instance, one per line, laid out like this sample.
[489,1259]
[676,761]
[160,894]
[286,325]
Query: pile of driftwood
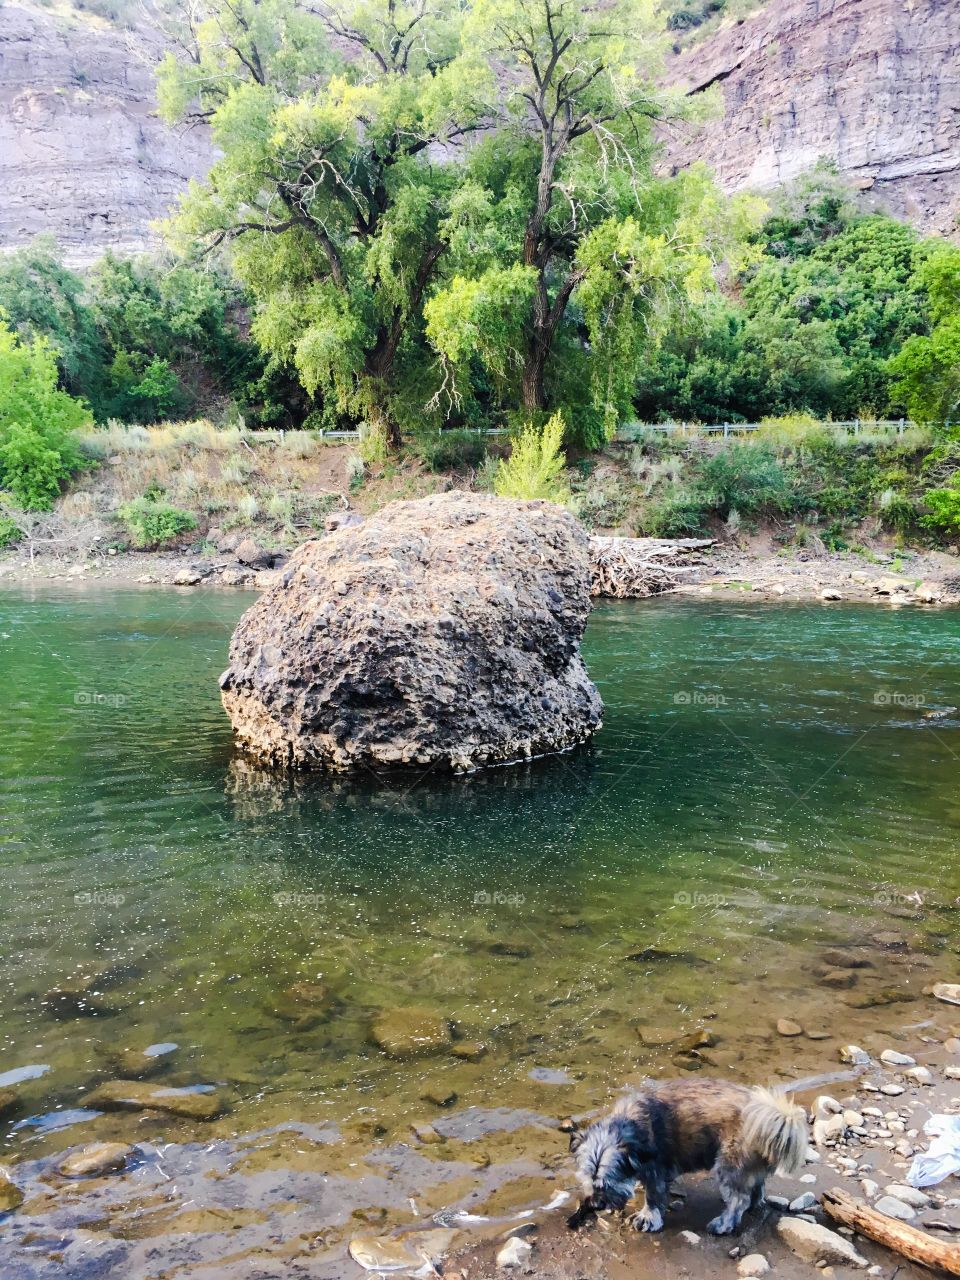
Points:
[637,567]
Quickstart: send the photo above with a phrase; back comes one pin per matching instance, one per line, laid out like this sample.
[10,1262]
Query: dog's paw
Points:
[720,1226]
[647,1220]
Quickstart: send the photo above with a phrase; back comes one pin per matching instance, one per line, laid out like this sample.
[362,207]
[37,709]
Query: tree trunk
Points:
[533,395]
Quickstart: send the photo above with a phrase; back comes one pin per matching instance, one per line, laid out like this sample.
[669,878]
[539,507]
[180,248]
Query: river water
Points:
[769,782]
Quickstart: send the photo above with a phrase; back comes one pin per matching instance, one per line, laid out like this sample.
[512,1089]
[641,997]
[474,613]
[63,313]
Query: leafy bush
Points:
[38,445]
[10,532]
[450,450]
[791,431]
[897,510]
[944,508]
[677,512]
[747,478]
[154,523]
[536,464]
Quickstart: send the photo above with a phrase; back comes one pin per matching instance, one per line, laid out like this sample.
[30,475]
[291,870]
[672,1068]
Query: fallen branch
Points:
[908,1241]
[632,568]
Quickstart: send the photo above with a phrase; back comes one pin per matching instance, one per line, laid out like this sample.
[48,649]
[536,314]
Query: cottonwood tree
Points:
[340,129]
[565,242]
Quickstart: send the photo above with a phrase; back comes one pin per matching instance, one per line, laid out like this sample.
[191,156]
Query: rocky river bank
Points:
[169,1180]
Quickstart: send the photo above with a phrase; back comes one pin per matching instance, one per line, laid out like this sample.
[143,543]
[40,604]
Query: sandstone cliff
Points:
[82,154]
[871,84]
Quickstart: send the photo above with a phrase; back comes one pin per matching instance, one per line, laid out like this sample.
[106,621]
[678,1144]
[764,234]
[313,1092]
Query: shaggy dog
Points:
[672,1127]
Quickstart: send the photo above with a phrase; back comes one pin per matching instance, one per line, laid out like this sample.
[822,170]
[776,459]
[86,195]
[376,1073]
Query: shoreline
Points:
[924,578]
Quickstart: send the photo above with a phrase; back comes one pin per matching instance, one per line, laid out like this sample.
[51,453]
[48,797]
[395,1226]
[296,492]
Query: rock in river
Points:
[97,1159]
[410,1033]
[11,1197]
[132,1095]
[443,631]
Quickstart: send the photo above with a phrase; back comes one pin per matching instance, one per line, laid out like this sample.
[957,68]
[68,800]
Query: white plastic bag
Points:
[942,1157]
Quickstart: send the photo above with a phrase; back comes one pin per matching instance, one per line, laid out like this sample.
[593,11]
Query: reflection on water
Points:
[767,784]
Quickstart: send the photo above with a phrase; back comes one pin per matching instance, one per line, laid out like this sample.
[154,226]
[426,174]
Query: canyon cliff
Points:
[873,85]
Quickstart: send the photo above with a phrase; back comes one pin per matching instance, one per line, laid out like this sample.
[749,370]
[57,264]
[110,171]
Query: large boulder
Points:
[444,630]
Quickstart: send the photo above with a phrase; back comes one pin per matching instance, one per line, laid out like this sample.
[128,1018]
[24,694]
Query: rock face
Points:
[441,631]
[873,85]
[83,156]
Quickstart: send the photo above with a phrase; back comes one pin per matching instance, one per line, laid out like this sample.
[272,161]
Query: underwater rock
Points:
[468,1050]
[11,1197]
[66,1002]
[444,631]
[410,1033]
[787,1027]
[131,1095]
[98,1158]
[8,1100]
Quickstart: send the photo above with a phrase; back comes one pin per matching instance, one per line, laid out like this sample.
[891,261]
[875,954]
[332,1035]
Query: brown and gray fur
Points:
[672,1127]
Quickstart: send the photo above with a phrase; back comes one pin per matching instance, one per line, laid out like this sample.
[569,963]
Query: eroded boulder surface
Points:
[443,631]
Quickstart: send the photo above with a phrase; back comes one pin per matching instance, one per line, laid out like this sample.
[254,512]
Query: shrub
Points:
[38,445]
[678,511]
[154,523]
[944,509]
[897,510]
[792,431]
[535,466]
[10,532]
[748,478]
[450,450]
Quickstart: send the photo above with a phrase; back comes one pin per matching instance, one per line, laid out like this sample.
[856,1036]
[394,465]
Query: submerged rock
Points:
[132,1095]
[8,1100]
[440,631]
[99,1158]
[410,1033]
[11,1197]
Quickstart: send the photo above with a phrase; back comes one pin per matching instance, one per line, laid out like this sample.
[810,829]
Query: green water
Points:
[765,783]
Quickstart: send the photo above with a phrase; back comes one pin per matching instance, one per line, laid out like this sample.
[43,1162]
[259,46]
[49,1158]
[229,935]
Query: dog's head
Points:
[606,1157]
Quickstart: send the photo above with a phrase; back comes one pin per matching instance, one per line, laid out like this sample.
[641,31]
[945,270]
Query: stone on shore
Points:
[895,1208]
[514,1254]
[440,631]
[410,1033]
[752,1266]
[132,1095]
[787,1027]
[99,1158]
[814,1243]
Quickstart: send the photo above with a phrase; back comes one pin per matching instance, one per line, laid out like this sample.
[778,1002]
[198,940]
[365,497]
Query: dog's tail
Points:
[776,1129]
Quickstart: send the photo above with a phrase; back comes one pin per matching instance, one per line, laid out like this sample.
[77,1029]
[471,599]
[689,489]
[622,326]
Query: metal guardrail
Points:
[855,426]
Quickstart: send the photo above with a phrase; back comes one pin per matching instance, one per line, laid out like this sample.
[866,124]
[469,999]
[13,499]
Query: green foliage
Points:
[679,511]
[451,450]
[10,532]
[927,368]
[38,450]
[154,523]
[536,464]
[746,478]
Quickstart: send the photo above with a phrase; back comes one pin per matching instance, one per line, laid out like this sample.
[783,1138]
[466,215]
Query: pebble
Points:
[753,1265]
[952,1045]
[909,1195]
[892,1090]
[778,1202]
[947,991]
[918,1075]
[870,1188]
[98,1158]
[817,1244]
[854,1055]
[853,1119]
[952,1073]
[11,1197]
[895,1208]
[515,1253]
[893,1059]
[787,1027]
[807,1177]
[804,1202]
[691,1237]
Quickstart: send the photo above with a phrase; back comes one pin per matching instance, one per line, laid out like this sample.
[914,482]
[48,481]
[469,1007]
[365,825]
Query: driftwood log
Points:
[908,1241]
[637,567]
